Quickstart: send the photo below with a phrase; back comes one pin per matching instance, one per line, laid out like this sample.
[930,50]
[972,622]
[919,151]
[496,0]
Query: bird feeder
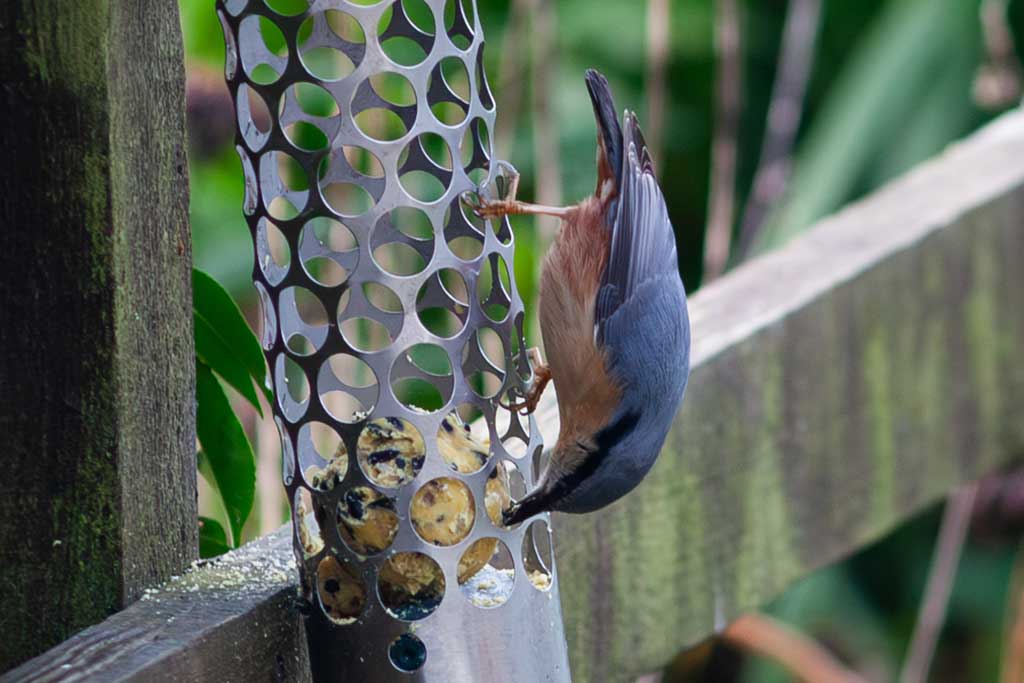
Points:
[394,333]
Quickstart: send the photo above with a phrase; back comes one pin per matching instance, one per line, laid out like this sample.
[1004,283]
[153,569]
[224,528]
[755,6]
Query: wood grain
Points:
[231,620]
[839,385]
[97,499]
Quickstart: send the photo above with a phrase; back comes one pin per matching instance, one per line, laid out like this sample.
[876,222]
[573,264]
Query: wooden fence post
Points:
[98,490]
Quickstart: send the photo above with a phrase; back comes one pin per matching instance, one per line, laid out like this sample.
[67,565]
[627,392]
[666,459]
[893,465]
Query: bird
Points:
[614,323]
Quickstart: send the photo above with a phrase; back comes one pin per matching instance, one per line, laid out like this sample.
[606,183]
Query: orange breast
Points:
[587,395]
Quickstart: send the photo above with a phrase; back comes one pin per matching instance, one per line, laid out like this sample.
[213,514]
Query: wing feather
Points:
[643,244]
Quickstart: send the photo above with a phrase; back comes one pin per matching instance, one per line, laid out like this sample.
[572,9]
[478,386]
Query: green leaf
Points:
[212,539]
[224,341]
[227,451]
[870,107]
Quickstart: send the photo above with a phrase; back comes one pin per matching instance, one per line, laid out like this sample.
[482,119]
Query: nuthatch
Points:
[614,321]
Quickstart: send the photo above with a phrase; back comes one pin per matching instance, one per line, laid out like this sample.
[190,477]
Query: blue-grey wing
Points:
[643,244]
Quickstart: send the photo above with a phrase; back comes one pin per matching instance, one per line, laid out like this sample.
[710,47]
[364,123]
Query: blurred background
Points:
[763,117]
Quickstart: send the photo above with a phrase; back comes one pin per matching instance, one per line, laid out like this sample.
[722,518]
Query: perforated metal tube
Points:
[387,305]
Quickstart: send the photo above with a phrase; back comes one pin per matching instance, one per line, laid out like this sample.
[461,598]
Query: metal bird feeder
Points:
[390,316]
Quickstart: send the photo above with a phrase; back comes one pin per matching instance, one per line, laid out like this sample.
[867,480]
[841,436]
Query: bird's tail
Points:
[607,119]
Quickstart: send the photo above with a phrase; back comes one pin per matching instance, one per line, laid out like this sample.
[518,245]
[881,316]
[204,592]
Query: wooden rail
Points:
[97,369]
[839,385]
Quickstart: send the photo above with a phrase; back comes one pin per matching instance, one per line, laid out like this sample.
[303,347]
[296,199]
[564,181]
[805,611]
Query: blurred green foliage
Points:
[891,84]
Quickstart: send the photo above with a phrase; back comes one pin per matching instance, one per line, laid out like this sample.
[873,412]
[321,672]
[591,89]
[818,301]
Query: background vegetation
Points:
[764,116]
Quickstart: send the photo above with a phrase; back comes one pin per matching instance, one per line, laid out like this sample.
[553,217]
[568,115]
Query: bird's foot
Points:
[505,185]
[490,209]
[541,377]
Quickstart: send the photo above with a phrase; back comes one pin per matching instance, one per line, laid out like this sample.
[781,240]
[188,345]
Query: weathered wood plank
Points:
[97,500]
[839,385]
[231,620]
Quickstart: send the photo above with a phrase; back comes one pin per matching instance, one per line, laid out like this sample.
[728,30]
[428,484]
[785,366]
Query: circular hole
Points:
[458,13]
[449,90]
[282,177]
[312,100]
[487,573]
[475,150]
[420,15]
[390,451]
[365,334]
[323,457]
[399,259]
[483,362]
[410,586]
[287,453]
[464,231]
[291,386]
[363,161]
[263,49]
[250,182]
[448,113]
[253,116]
[537,555]
[404,51]
[307,528]
[481,81]
[342,593]
[425,167]
[304,322]
[345,26]
[272,251]
[466,248]
[326,56]
[443,511]
[381,124]
[505,483]
[288,8]
[382,298]
[329,251]
[493,288]
[436,149]
[459,23]
[442,303]
[281,208]
[456,77]
[367,520]
[305,136]
[412,223]
[423,186]
[267,318]
[407,653]
[348,388]
[461,449]
[393,88]
[422,377]
[418,394]
[347,199]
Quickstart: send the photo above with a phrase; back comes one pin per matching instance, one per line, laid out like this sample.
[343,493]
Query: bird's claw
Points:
[486,208]
[506,193]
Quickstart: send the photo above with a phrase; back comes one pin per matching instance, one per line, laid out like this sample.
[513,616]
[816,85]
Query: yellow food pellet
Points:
[341,592]
[459,447]
[442,511]
[540,580]
[367,520]
[390,451]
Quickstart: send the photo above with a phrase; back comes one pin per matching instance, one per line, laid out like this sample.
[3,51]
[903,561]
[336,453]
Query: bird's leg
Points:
[541,377]
[508,205]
